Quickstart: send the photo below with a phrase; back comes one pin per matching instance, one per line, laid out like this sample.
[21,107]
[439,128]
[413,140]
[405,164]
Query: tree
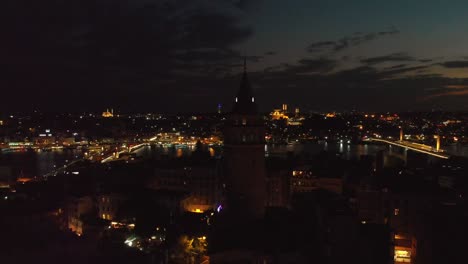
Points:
[190,250]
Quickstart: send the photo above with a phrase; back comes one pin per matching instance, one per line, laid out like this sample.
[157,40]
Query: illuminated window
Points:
[402,255]
[396,211]
[244,121]
[103,216]
[253,99]
[244,138]
[399,236]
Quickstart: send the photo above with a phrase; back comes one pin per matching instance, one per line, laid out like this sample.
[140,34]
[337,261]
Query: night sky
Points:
[186,55]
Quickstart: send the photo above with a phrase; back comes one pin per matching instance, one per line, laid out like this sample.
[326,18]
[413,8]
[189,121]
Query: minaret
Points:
[244,148]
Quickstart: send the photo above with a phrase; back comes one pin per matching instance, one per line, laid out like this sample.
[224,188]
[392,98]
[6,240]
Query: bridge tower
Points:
[437,137]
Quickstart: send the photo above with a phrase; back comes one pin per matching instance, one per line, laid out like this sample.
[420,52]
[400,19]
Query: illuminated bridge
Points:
[421,148]
[129,150]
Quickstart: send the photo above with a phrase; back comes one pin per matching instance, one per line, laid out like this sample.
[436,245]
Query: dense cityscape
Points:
[154,188]
[233,132]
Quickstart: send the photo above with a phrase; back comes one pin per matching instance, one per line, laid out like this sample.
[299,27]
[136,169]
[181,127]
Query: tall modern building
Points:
[244,144]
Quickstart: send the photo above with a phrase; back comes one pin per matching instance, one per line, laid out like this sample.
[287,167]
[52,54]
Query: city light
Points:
[412,146]
[129,241]
[344,141]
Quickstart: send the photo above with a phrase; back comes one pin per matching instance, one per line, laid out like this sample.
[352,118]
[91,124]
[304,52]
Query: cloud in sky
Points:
[457,86]
[365,86]
[395,57]
[106,51]
[158,55]
[455,64]
[346,42]
[459,92]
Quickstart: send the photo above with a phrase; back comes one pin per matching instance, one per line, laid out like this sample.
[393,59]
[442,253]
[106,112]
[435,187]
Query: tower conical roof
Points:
[245,100]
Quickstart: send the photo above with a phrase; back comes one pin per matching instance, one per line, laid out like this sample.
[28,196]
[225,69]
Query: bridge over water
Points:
[421,148]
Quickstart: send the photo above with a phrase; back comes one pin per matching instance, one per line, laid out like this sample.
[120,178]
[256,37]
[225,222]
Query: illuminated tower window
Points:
[253,100]
[244,121]
[396,211]
[237,100]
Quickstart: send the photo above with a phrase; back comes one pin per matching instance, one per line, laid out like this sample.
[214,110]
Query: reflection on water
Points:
[31,164]
[159,151]
[348,151]
[457,149]
[174,151]
[40,163]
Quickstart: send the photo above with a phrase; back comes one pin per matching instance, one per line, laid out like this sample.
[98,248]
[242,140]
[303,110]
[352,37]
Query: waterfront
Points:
[30,164]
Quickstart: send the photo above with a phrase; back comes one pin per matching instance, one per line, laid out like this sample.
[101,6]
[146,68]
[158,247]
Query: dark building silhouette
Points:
[245,155]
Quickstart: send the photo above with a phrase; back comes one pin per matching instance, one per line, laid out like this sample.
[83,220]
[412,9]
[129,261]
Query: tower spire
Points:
[245,64]
[245,101]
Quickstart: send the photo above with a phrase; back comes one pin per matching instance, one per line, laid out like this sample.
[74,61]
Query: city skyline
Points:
[234,186]
[186,56]
[233,131]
